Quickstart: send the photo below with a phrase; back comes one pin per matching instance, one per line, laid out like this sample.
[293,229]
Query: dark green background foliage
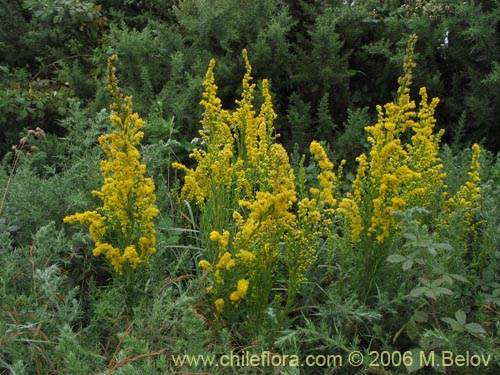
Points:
[329,62]
[325,59]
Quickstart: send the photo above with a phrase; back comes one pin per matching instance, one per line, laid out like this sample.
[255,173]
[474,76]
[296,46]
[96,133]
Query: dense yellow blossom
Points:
[395,175]
[245,256]
[226,261]
[222,239]
[423,156]
[244,186]
[123,227]
[240,291]
[326,178]
[215,165]
[465,203]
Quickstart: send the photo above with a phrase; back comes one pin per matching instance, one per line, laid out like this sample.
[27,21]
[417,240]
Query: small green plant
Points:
[18,151]
[424,259]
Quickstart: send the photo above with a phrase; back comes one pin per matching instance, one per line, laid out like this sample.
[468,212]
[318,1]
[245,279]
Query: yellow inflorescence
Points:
[327,178]
[423,156]
[240,291]
[395,175]
[465,203]
[122,228]
[240,156]
[219,305]
[269,223]
[215,165]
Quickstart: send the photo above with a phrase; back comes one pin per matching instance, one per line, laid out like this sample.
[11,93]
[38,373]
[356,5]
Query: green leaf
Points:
[445,291]
[422,243]
[426,343]
[425,281]
[419,261]
[39,104]
[493,299]
[408,264]
[431,293]
[443,246]
[172,240]
[420,316]
[412,330]
[415,364]
[417,292]
[460,316]
[437,291]
[475,329]
[396,258]
[456,326]
[61,110]
[437,282]
[410,236]
[22,114]
[459,278]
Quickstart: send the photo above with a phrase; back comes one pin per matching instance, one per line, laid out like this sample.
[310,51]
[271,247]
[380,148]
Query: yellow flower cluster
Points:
[219,305]
[215,164]
[243,169]
[465,203]
[395,175]
[255,245]
[327,178]
[240,291]
[122,228]
[423,156]
[312,224]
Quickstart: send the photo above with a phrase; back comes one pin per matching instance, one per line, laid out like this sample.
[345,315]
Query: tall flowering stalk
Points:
[396,175]
[122,228]
[251,215]
[461,208]
[211,184]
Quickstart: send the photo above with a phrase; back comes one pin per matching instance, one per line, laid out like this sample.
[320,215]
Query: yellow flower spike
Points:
[465,203]
[128,198]
[225,261]
[215,235]
[240,292]
[396,175]
[243,181]
[219,305]
[245,256]
[326,177]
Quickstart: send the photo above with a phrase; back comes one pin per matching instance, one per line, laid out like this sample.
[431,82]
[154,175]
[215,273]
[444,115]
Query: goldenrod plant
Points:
[122,228]
[402,170]
[251,215]
[461,208]
[233,172]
